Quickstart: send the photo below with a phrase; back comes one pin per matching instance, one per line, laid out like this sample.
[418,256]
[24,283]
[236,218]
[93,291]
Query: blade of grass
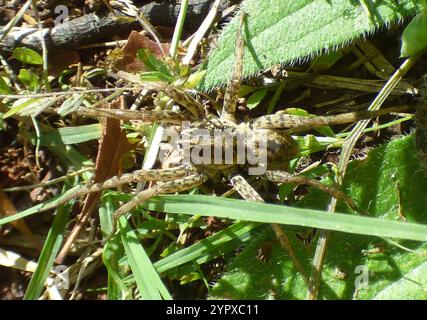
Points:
[71,135]
[213,246]
[178,28]
[269,213]
[52,203]
[50,249]
[147,279]
[112,253]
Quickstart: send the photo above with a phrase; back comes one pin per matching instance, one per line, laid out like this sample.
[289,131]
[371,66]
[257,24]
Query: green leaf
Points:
[153,64]
[278,31]
[309,143]
[411,286]
[31,106]
[204,250]
[69,135]
[112,252]
[155,76]
[29,79]
[256,98]
[70,104]
[194,79]
[325,61]
[4,87]
[414,37]
[27,55]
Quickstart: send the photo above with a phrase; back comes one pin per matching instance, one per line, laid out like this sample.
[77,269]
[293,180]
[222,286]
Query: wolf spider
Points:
[280,147]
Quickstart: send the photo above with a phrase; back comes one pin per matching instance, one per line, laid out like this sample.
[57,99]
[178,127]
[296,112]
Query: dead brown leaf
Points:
[129,62]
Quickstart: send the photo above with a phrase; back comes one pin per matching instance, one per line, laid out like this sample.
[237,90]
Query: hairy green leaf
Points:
[414,37]
[278,31]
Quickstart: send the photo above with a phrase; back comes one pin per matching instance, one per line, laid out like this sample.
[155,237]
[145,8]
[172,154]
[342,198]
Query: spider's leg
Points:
[282,120]
[177,185]
[285,177]
[138,175]
[164,116]
[179,95]
[248,193]
[232,91]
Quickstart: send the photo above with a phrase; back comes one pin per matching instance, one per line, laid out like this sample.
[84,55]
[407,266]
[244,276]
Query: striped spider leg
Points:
[139,175]
[228,115]
[172,186]
[193,110]
[164,116]
[248,193]
[232,91]
[285,177]
[282,120]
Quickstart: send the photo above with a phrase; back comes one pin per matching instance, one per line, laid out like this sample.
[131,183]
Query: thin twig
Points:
[12,23]
[62,93]
[200,33]
[43,44]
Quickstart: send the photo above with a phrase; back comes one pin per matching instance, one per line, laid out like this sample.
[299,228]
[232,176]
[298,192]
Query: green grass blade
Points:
[49,252]
[71,135]
[147,279]
[209,248]
[112,253]
[50,204]
[269,213]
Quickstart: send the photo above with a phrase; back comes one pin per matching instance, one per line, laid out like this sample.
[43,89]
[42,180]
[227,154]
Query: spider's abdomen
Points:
[280,149]
[273,148]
